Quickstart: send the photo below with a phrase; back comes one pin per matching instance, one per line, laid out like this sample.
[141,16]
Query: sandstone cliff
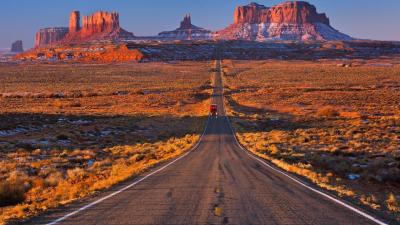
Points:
[292,20]
[48,36]
[74,22]
[100,25]
[289,12]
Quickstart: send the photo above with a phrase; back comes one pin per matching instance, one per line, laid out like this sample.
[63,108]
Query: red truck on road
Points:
[214,110]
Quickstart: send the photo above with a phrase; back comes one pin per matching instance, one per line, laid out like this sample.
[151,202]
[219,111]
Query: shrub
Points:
[278,136]
[119,169]
[58,104]
[54,179]
[341,167]
[12,192]
[393,203]
[327,112]
[76,175]
[151,155]
[25,146]
[371,201]
[273,149]
[62,137]
[77,94]
[140,157]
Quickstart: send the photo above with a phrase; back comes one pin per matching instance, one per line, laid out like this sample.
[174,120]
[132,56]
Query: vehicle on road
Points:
[214,110]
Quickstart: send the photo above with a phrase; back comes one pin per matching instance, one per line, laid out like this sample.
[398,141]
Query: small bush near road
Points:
[11,192]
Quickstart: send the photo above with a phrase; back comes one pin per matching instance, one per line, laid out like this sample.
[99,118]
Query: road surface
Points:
[216,183]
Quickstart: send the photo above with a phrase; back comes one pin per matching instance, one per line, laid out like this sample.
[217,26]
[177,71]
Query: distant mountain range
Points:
[291,20]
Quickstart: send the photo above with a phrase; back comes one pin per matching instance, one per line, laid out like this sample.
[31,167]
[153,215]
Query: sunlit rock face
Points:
[98,26]
[74,22]
[292,20]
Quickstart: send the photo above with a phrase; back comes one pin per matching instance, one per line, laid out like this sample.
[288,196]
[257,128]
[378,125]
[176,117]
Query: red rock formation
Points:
[100,25]
[74,22]
[297,12]
[102,54]
[17,47]
[100,22]
[292,20]
[48,36]
[251,13]
[119,54]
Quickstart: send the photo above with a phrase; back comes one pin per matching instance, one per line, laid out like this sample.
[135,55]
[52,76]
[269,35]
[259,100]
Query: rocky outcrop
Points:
[297,12]
[292,20]
[97,53]
[74,22]
[251,13]
[187,31]
[100,25]
[17,47]
[48,36]
[186,23]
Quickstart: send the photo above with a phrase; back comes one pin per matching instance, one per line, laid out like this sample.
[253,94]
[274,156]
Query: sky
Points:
[20,19]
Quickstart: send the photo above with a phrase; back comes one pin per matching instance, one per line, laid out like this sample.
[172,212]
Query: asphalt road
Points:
[216,183]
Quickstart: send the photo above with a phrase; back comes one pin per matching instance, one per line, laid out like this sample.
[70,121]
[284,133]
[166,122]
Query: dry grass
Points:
[70,131]
[151,88]
[393,203]
[338,127]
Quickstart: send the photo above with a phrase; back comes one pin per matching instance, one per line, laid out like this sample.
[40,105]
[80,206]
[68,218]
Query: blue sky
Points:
[20,19]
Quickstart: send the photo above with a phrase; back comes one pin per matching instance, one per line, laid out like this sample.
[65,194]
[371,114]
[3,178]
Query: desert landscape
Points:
[337,126]
[69,131]
[276,118]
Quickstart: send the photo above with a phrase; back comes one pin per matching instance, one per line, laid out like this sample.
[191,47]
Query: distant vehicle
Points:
[214,110]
